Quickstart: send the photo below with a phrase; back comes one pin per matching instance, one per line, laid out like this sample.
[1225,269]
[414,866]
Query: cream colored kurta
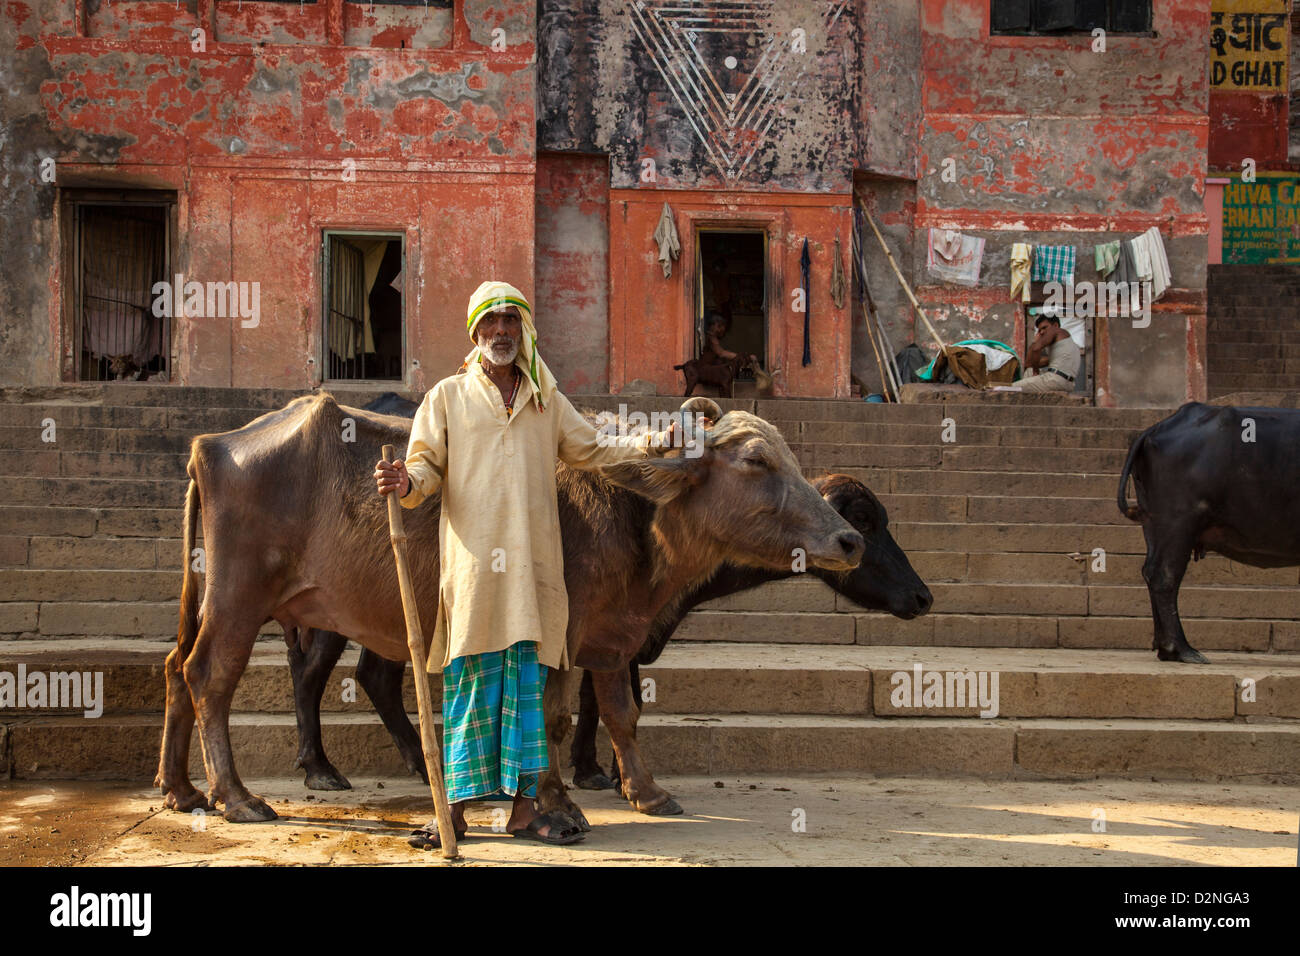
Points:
[501,556]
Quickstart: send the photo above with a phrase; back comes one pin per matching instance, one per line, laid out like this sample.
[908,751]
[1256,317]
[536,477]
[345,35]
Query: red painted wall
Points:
[252,131]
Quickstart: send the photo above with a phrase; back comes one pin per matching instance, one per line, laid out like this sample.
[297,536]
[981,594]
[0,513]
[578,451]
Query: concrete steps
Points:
[1002,524]
[1059,713]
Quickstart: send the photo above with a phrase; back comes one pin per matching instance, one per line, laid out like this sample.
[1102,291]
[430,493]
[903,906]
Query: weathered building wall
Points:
[744,120]
[768,102]
[572,307]
[253,136]
[892,203]
[1053,143]
[889,86]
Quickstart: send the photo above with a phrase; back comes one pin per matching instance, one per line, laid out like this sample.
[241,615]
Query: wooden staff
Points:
[907,288]
[415,641]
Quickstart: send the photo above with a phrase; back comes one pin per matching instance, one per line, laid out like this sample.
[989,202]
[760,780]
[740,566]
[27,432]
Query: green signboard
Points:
[1261,219]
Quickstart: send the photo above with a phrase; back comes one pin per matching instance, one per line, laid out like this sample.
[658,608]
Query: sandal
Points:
[426,838]
[562,833]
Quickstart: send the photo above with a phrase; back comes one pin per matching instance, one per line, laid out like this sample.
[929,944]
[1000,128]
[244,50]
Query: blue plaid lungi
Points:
[1054,264]
[494,734]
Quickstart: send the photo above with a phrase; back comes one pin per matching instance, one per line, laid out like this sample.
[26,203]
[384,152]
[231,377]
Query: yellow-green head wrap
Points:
[493,295]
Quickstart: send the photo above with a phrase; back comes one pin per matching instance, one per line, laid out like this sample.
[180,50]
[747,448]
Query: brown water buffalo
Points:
[294,533]
[1212,478]
[883,581]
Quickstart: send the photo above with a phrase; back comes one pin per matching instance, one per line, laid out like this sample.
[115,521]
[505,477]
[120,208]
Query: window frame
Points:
[323,351]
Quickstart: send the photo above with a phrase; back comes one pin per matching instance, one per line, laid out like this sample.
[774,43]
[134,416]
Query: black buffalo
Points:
[1212,478]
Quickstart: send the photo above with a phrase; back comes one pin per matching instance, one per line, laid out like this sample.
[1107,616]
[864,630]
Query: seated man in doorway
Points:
[1054,353]
[714,352]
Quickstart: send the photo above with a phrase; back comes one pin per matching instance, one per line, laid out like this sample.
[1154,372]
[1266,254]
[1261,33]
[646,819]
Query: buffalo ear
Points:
[658,479]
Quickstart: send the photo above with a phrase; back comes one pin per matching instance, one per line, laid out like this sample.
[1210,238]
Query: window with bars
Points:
[363,332]
[1054,17]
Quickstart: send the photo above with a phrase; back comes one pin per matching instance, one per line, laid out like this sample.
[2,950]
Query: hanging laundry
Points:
[1020,253]
[665,238]
[1054,264]
[805,266]
[1126,269]
[954,258]
[838,284]
[1153,251]
[1107,257]
[1141,257]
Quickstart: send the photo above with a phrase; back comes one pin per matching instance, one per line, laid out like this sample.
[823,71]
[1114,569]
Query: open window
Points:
[731,292]
[363,332]
[118,245]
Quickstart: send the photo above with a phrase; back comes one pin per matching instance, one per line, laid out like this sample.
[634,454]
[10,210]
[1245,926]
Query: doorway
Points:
[732,290]
[119,250]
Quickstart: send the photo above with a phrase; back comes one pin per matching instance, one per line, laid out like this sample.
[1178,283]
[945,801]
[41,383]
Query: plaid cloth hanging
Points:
[1054,264]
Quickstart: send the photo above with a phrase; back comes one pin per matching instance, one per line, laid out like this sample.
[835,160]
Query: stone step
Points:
[983,628]
[1250,336]
[1221,368]
[126,748]
[1253,381]
[192,411]
[760,679]
[174,442]
[1279,398]
[161,582]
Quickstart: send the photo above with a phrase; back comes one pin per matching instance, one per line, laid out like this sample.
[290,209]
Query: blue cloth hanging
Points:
[805,264]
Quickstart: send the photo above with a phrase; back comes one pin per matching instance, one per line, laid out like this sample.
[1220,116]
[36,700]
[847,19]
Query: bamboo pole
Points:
[906,288]
[415,643]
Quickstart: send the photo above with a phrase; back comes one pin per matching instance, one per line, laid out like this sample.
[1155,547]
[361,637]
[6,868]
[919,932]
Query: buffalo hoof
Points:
[252,810]
[1186,655]
[327,778]
[578,818]
[669,808]
[593,781]
[186,801]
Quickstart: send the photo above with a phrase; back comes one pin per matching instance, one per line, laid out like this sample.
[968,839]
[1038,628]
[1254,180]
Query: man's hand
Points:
[391,476]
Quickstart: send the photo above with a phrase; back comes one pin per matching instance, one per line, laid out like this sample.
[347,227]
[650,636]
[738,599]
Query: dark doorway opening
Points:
[732,294]
[120,250]
[363,306]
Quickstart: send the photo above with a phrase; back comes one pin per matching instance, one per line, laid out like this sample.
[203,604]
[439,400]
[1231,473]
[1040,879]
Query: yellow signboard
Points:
[1248,45]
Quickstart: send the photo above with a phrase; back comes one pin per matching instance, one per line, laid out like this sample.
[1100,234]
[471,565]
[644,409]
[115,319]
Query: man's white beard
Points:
[500,357]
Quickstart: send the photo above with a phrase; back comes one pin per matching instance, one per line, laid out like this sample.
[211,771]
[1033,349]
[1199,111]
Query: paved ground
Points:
[878,822]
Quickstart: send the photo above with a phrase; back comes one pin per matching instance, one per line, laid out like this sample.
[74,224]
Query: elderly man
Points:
[488,437]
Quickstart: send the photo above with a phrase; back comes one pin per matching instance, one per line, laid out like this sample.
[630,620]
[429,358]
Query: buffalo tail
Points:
[1132,512]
